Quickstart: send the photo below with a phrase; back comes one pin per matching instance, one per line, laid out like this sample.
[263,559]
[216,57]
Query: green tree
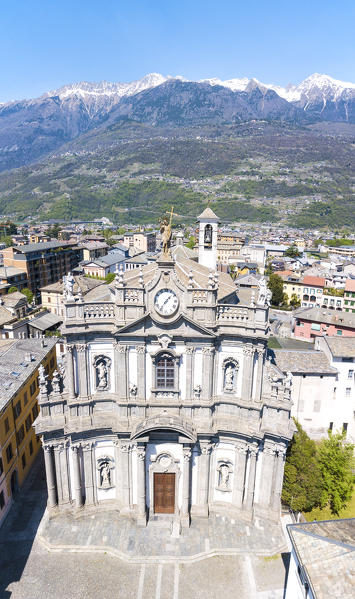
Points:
[28,293]
[293,252]
[302,487]
[7,240]
[294,301]
[121,231]
[276,286]
[110,277]
[191,242]
[12,289]
[53,231]
[335,457]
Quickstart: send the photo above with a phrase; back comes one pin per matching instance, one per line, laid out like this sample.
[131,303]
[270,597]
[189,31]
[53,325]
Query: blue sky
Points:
[47,43]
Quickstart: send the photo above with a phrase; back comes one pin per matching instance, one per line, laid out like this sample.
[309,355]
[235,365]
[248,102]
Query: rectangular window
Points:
[316,405]
[1,467]
[31,448]
[350,374]
[330,426]
[9,453]
[51,363]
[17,409]
[165,372]
[25,399]
[33,387]
[7,425]
[23,460]
[28,422]
[345,427]
[35,412]
[20,435]
[348,391]
[339,332]
[2,500]
[315,326]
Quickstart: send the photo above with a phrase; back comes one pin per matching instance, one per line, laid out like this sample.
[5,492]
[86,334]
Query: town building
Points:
[52,295]
[315,404]
[349,296]
[315,322]
[322,561]
[44,263]
[229,244]
[93,249]
[19,363]
[13,277]
[168,410]
[101,267]
[143,241]
[340,353]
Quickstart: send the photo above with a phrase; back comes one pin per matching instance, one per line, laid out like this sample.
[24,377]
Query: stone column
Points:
[207,372]
[247,374]
[121,370]
[278,480]
[70,373]
[124,476]
[50,475]
[259,374]
[185,516]
[189,353]
[249,496]
[61,471]
[141,357]
[267,473]
[241,450]
[203,478]
[88,474]
[82,370]
[141,502]
[77,479]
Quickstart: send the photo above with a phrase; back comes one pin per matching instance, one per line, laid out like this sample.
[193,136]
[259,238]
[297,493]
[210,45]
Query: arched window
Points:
[165,372]
[208,235]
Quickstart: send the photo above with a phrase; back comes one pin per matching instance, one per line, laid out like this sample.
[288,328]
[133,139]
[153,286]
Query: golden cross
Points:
[171,215]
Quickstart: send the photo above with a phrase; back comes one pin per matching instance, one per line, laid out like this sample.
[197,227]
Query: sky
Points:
[48,43]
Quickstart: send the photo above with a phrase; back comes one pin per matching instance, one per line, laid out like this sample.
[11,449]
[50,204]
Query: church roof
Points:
[208,213]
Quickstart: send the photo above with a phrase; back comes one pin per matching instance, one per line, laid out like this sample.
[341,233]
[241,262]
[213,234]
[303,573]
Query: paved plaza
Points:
[101,555]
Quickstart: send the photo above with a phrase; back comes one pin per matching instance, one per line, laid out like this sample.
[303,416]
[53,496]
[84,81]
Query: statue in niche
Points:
[104,469]
[208,234]
[229,376]
[224,477]
[101,371]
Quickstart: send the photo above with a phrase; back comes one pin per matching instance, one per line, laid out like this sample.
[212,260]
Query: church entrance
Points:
[164,492]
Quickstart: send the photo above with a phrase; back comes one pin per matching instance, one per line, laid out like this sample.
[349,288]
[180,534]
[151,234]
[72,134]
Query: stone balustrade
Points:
[234,313]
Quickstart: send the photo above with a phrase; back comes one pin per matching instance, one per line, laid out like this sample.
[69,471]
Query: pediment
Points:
[180,327]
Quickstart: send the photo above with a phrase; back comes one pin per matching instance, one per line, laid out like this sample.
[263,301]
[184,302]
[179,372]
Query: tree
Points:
[191,242]
[29,295]
[294,301]
[12,289]
[293,252]
[302,487]
[336,461]
[276,286]
[110,277]
[7,240]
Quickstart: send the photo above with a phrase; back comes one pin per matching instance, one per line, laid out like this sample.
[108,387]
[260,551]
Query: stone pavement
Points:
[29,571]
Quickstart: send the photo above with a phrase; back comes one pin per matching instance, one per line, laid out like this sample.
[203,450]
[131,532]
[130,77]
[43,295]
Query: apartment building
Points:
[315,322]
[19,363]
[44,263]
[144,241]
[349,296]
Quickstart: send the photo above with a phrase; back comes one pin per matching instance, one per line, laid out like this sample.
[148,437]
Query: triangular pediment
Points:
[180,327]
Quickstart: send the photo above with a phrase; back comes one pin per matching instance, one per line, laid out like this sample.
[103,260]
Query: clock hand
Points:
[166,301]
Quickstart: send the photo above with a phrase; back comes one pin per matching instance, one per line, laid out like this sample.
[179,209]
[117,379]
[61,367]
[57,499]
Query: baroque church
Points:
[166,406]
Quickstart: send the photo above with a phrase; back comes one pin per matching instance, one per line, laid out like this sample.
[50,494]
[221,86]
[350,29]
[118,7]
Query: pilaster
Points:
[278,478]
[62,474]
[201,509]
[247,381]
[141,500]
[123,476]
[89,473]
[121,370]
[207,370]
[70,372]
[141,358]
[185,515]
[259,375]
[267,475]
[82,369]
[249,496]
[50,475]
[189,352]
[77,479]
[241,450]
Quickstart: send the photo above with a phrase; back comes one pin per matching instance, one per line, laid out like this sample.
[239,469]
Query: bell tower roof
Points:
[208,214]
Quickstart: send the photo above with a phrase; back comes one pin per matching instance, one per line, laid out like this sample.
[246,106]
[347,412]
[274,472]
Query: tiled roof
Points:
[46,321]
[85,284]
[326,550]
[340,319]
[341,347]
[302,361]
[15,369]
[37,247]
[315,281]
[208,213]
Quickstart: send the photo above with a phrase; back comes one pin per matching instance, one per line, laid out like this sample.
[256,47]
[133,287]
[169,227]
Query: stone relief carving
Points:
[133,389]
[224,475]
[230,373]
[165,340]
[105,466]
[102,366]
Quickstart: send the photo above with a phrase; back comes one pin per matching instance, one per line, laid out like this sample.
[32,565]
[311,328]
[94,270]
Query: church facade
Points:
[167,407]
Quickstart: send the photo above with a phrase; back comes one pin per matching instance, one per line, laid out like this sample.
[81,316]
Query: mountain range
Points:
[35,128]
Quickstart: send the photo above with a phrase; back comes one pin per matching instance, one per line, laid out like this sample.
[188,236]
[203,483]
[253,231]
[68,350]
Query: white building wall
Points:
[314,404]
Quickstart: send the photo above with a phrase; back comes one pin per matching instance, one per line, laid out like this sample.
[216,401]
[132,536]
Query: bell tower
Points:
[207,239]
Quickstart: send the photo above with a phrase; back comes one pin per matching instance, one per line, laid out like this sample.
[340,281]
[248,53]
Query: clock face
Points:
[166,303]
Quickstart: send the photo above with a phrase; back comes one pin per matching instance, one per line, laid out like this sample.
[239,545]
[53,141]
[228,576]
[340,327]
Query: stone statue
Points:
[69,285]
[56,382]
[102,374]
[229,377]
[262,289]
[165,230]
[105,475]
[288,380]
[224,477]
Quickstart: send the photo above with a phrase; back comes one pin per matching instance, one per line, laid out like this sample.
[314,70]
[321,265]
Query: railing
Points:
[98,311]
[234,314]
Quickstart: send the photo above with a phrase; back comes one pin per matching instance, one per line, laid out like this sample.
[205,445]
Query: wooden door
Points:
[164,492]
